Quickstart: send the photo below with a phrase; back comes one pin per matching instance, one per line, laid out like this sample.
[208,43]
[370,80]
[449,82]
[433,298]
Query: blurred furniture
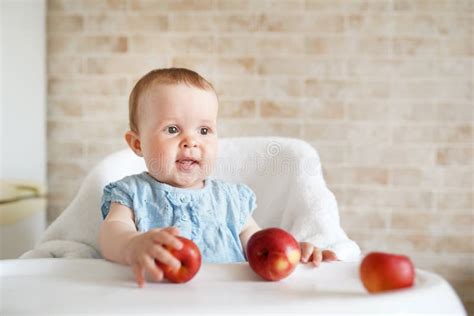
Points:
[22,216]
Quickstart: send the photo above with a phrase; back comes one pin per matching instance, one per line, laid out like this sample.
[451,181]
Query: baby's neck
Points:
[199,185]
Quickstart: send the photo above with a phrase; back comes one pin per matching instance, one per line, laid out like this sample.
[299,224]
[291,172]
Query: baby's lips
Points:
[186,165]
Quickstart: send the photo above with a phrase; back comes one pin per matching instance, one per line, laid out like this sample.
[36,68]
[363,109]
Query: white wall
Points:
[23,90]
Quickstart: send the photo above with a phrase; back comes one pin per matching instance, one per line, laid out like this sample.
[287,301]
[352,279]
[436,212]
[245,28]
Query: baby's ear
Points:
[133,141]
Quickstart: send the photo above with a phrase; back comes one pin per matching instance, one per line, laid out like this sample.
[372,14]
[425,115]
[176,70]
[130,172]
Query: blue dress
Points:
[212,216]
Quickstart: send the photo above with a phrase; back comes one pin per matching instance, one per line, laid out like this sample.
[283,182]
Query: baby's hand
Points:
[310,253]
[145,248]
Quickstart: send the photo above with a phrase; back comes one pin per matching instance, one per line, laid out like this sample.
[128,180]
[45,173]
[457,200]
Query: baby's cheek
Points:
[212,149]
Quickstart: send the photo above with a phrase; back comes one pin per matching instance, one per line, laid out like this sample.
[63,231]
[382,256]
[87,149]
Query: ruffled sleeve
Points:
[248,203]
[115,192]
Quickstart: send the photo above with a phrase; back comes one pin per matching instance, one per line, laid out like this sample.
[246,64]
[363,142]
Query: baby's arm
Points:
[250,228]
[120,242]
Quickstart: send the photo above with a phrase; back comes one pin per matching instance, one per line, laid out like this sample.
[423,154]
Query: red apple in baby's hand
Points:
[273,253]
[381,272]
[190,258]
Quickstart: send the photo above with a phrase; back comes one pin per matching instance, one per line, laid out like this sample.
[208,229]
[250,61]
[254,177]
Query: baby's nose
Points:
[189,142]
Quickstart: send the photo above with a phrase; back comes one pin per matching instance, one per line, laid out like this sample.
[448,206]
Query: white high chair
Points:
[284,173]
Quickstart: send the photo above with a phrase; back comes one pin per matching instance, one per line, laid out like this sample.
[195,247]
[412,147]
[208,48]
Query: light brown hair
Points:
[165,76]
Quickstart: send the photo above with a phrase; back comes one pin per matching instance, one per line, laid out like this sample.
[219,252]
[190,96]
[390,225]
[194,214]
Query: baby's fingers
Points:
[329,255]
[167,237]
[139,273]
[171,230]
[306,251]
[310,253]
[147,264]
[150,266]
[316,257]
[164,256]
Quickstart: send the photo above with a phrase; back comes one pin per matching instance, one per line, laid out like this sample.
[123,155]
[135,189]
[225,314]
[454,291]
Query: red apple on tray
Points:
[190,258]
[273,253]
[381,272]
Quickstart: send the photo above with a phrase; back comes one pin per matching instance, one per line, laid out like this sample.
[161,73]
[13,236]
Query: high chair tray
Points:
[52,286]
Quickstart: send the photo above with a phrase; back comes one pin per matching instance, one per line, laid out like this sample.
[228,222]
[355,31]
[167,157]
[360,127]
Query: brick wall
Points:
[383,89]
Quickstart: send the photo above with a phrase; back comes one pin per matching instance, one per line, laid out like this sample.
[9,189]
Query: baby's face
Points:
[178,134]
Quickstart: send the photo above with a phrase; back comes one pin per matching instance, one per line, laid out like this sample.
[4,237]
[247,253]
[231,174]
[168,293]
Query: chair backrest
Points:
[269,165]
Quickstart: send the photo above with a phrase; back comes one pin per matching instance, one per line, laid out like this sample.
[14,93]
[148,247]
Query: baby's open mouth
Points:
[186,164]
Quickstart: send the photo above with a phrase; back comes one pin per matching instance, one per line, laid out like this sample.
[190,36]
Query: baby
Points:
[173,126]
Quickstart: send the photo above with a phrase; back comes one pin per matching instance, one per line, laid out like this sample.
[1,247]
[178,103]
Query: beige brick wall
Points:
[382,88]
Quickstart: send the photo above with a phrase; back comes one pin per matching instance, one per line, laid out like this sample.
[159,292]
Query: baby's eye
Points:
[172,129]
[204,130]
